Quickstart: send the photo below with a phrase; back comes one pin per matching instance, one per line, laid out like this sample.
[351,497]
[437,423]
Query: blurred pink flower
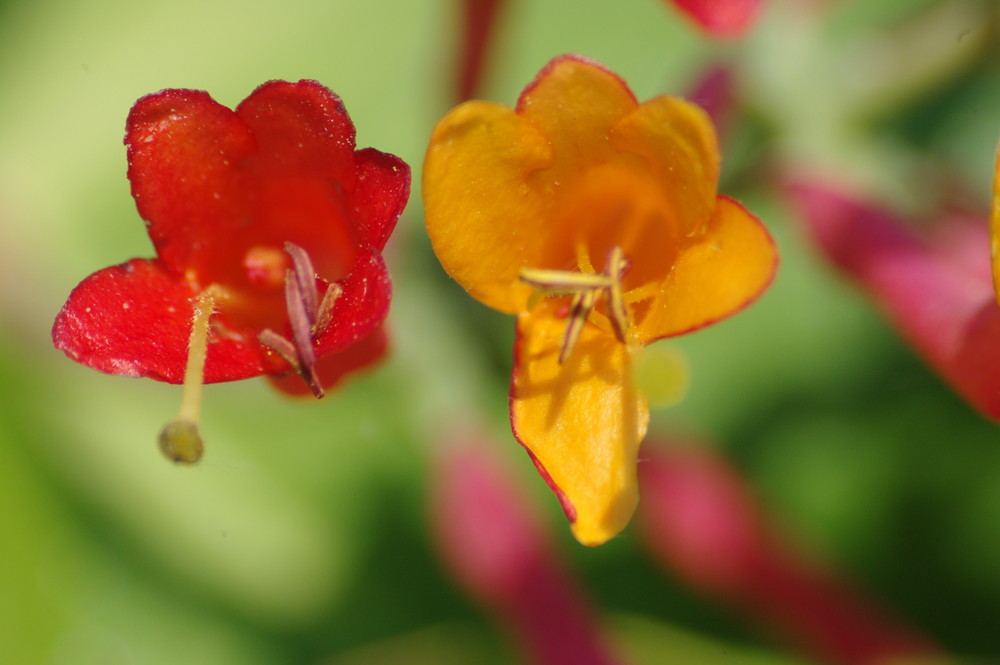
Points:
[714,90]
[720,18]
[937,292]
[701,520]
[497,551]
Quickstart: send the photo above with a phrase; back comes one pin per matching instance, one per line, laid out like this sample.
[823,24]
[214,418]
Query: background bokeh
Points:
[302,537]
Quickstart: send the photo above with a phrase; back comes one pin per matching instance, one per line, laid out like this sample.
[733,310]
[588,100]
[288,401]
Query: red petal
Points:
[300,127]
[332,368]
[182,146]
[721,18]
[380,194]
[134,319]
[361,308]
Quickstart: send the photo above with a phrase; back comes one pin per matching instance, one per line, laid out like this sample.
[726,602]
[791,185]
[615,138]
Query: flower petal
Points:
[482,216]
[678,140]
[492,176]
[361,307]
[724,271]
[300,127]
[581,421]
[380,194]
[182,146]
[203,176]
[134,320]
[574,102]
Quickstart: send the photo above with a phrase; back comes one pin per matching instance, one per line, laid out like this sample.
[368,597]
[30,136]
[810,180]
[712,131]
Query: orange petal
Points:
[574,102]
[582,421]
[484,220]
[724,271]
[678,140]
[995,225]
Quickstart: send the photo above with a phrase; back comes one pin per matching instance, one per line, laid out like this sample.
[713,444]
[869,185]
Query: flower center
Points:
[265,267]
[308,316]
[585,289]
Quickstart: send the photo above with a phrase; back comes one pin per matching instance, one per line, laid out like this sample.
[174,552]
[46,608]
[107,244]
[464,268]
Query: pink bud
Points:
[702,522]
[496,549]
[938,297]
[721,18]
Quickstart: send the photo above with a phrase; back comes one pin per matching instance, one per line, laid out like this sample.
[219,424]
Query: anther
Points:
[308,317]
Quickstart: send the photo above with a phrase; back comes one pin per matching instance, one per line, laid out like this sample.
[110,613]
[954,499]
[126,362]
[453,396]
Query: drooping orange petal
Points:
[582,421]
[484,220]
[724,271]
[574,102]
[678,140]
[995,225]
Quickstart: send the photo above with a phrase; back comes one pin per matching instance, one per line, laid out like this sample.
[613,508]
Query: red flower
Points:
[268,227]
[222,192]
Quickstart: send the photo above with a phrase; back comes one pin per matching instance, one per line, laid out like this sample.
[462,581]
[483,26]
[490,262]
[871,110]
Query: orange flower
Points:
[608,207]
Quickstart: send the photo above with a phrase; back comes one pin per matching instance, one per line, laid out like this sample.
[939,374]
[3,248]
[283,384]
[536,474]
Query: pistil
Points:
[585,289]
[308,316]
[180,439]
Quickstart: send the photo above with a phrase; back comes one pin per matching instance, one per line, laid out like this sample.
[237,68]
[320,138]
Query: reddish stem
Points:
[494,547]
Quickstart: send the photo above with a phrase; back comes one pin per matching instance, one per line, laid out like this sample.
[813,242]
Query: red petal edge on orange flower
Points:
[221,192]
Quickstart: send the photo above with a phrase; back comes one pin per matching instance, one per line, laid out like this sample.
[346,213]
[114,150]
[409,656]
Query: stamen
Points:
[180,440]
[299,316]
[325,313]
[617,311]
[564,283]
[305,276]
[585,287]
[308,317]
[579,309]
[288,352]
